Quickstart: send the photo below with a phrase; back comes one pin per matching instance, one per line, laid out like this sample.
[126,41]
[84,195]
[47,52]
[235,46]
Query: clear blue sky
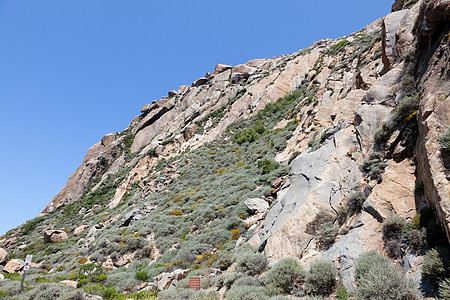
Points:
[72,71]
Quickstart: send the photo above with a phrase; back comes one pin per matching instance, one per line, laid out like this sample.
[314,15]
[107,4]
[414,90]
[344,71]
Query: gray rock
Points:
[346,251]
[256,205]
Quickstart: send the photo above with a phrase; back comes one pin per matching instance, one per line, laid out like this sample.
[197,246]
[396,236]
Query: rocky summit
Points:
[322,174]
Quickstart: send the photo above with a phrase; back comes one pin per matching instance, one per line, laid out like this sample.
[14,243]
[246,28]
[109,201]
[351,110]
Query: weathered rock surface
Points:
[256,205]
[3,256]
[80,229]
[14,266]
[55,236]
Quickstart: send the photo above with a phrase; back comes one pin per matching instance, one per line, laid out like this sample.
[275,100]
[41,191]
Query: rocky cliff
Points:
[339,136]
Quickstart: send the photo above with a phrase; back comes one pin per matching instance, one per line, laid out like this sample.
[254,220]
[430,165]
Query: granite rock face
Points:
[355,84]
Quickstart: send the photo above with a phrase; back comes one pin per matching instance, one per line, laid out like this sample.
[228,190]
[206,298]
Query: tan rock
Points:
[80,229]
[3,256]
[172,93]
[143,285]
[395,194]
[70,283]
[14,266]
[54,236]
[220,68]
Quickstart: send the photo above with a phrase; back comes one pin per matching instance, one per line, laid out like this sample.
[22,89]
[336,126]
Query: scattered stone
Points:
[2,277]
[143,285]
[80,229]
[54,236]
[212,272]
[256,205]
[3,256]
[14,266]
[165,279]
[70,283]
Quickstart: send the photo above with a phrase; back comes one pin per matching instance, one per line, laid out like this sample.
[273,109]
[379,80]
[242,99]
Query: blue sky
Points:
[72,71]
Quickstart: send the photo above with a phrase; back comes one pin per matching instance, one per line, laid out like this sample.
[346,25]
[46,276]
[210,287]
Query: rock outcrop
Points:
[55,236]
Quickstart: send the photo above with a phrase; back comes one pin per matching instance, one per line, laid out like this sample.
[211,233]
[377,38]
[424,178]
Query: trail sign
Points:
[194,283]
[28,259]
[25,269]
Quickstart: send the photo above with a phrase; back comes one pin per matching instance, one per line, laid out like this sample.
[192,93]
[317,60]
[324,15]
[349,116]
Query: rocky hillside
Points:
[297,175]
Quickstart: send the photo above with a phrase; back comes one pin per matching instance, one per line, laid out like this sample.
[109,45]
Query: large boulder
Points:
[3,256]
[14,266]
[54,236]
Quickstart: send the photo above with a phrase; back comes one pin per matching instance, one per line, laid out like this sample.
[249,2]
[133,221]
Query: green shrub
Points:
[444,288]
[179,294]
[436,265]
[284,276]
[406,107]
[30,225]
[142,275]
[243,292]
[374,166]
[267,166]
[225,260]
[342,294]
[227,280]
[327,235]
[367,261]
[247,135]
[10,288]
[321,278]
[205,295]
[109,293]
[378,279]
[251,263]
[338,47]
[51,291]
[393,227]
[355,202]
[383,133]
[444,140]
